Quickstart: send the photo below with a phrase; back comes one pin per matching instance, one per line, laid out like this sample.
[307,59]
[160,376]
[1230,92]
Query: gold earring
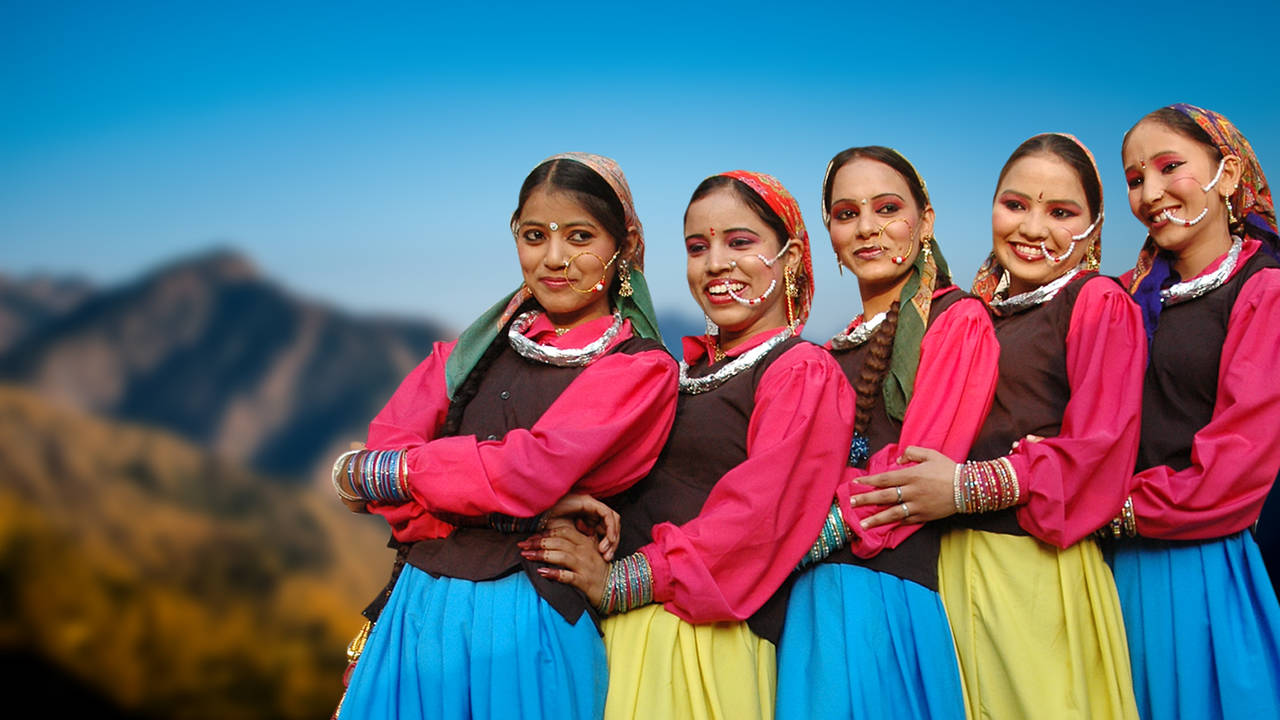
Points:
[792,291]
[926,247]
[624,269]
[1231,211]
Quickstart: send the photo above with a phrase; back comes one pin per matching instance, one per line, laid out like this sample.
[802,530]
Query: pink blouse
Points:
[602,434]
[1235,457]
[955,384]
[761,516]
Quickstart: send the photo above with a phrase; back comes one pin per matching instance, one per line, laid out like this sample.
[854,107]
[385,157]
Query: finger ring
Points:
[899,489]
[906,512]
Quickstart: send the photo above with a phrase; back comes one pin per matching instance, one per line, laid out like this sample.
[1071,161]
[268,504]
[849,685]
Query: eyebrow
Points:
[1162,153]
[571,223]
[1050,201]
[726,231]
[873,197]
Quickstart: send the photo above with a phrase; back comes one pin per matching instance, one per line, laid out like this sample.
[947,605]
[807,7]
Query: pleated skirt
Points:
[865,644]
[663,667]
[1038,630]
[1203,626]
[450,648]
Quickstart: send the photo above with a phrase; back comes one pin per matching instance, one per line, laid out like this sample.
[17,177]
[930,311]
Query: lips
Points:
[554,282]
[1027,253]
[717,291]
[869,252]
[1160,217]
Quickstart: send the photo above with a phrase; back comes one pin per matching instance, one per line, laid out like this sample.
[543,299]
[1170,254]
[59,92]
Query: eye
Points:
[533,236]
[580,237]
[1014,205]
[741,241]
[695,247]
[1062,213]
[1171,166]
[1134,181]
[889,208]
[845,214]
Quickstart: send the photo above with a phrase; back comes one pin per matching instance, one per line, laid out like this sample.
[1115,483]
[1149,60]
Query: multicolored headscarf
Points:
[638,308]
[1251,200]
[989,275]
[785,206]
[914,303]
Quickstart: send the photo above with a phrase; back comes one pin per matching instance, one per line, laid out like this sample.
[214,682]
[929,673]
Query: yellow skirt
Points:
[663,667]
[1038,630]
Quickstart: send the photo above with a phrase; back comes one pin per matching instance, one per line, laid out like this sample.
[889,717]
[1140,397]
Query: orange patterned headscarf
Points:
[784,204]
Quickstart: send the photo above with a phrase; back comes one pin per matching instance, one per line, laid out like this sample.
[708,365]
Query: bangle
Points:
[986,485]
[339,466]
[628,585]
[833,536]
[378,475]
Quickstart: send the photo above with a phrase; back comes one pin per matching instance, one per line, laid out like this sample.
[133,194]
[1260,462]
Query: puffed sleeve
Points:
[1077,481]
[762,515]
[602,434]
[955,385]
[412,417]
[1234,458]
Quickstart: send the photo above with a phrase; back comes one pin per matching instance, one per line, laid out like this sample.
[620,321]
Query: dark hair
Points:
[1181,124]
[874,367]
[885,156]
[747,195]
[586,186]
[1068,151]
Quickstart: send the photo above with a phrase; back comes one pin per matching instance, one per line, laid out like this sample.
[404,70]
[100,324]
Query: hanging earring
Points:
[1231,211]
[792,292]
[1091,259]
[840,267]
[624,269]
[926,247]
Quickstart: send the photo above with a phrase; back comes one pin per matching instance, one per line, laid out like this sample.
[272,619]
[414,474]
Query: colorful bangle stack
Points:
[986,485]
[628,585]
[376,475]
[833,536]
[511,524]
[1124,524]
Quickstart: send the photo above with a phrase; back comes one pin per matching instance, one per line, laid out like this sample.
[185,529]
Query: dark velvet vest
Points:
[916,558]
[1181,383]
[708,438]
[1033,390]
[513,394]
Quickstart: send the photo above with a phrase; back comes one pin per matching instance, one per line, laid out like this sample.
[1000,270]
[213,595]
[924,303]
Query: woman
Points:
[1032,604]
[761,434]
[1202,619]
[562,386]
[922,358]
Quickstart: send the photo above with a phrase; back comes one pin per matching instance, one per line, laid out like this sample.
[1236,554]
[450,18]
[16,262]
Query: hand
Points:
[355,506]
[588,516]
[927,489]
[579,561]
[1029,438]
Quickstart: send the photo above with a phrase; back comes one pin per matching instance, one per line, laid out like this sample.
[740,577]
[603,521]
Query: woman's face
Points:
[1166,173]
[1039,206]
[731,250]
[875,220]
[563,253]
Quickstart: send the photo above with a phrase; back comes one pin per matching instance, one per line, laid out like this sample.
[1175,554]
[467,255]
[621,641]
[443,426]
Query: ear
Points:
[1232,171]
[794,255]
[630,243]
[926,222]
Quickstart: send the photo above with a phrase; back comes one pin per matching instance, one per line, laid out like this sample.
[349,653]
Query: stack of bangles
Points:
[986,485]
[628,585]
[833,536]
[1124,524]
[374,475]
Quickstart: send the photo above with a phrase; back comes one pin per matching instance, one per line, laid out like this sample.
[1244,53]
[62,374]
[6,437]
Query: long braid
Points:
[874,368]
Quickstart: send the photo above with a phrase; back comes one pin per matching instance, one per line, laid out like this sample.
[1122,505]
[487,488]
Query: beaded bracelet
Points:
[628,585]
[1123,525]
[376,475]
[833,536]
[986,485]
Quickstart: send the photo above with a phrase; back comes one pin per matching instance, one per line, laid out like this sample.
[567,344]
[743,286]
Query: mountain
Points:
[165,580]
[209,349]
[29,303]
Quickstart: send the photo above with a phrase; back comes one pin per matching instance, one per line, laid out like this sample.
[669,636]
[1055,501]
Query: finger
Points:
[884,517]
[914,454]
[1034,438]
[612,534]
[887,496]
[560,575]
[891,478]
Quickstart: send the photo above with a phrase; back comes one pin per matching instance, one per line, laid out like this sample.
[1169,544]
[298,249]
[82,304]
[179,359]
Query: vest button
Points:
[492,437]
[504,395]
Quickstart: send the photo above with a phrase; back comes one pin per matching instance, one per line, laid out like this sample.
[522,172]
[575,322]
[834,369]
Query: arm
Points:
[1077,481]
[762,515]
[600,436]
[955,384]
[1235,457]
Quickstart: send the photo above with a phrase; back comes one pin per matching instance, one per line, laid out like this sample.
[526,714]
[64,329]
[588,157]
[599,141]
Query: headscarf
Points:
[782,203]
[987,281]
[638,308]
[914,303]
[1251,201]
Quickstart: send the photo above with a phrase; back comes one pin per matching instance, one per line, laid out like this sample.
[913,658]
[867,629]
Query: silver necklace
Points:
[560,357]
[1192,289]
[699,385]
[858,335]
[1031,298]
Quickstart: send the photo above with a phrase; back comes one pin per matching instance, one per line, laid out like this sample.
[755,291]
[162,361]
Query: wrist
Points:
[986,486]
[628,584]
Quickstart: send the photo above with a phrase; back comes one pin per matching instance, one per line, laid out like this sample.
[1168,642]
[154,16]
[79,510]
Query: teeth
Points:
[723,288]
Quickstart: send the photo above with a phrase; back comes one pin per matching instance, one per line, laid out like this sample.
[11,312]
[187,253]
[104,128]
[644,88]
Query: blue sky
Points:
[371,157]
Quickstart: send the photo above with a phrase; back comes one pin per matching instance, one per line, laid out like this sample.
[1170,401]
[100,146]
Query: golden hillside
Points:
[175,584]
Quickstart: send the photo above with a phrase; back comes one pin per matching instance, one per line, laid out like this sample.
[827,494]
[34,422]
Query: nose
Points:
[1152,189]
[719,258]
[1034,226]
[558,253]
[868,225]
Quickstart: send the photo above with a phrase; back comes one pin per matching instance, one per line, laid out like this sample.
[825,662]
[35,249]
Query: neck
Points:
[879,298]
[1192,260]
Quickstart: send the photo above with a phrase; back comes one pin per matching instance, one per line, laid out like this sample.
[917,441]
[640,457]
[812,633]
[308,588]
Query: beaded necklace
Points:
[699,385]
[560,357]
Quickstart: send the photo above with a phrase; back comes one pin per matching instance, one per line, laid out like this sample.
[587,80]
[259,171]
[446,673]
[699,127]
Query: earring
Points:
[624,269]
[926,247]
[1091,259]
[840,267]
[792,292]
[1231,211]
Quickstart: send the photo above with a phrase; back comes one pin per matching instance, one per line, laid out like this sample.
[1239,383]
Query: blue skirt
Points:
[1203,627]
[449,648]
[858,643]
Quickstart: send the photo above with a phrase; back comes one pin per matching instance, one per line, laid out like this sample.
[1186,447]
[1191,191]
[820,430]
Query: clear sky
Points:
[370,156]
